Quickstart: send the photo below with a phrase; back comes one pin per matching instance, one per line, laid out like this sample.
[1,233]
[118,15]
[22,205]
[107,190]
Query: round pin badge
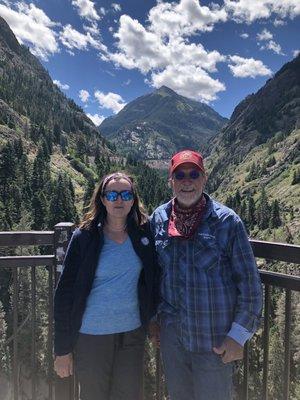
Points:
[145,241]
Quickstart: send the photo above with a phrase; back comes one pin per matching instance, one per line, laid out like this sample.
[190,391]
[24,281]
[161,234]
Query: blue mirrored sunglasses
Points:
[180,175]
[112,195]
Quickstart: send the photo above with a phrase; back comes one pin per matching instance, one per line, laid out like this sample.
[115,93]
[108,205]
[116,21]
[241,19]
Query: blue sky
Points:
[105,54]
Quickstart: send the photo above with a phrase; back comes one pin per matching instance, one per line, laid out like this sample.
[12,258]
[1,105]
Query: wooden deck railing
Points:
[66,389]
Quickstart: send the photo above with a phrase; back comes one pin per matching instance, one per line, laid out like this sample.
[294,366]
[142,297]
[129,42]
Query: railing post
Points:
[287,345]
[158,375]
[246,371]
[15,335]
[64,387]
[62,235]
[266,333]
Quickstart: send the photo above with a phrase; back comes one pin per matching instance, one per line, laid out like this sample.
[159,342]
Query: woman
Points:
[106,294]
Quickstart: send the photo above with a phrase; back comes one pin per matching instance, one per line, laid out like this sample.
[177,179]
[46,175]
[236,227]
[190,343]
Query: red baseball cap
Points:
[187,156]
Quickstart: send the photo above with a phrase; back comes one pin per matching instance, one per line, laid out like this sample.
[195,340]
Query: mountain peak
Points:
[7,37]
[158,124]
[165,91]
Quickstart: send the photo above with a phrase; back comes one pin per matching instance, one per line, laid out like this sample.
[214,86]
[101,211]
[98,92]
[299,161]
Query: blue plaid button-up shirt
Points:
[210,284]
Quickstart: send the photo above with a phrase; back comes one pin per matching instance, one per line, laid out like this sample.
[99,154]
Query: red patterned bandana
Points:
[184,221]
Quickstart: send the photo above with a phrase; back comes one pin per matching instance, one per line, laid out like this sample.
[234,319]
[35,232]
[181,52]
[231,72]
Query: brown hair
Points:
[97,211]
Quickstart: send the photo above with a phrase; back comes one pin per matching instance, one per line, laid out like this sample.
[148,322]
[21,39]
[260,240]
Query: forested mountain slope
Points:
[51,152]
[258,156]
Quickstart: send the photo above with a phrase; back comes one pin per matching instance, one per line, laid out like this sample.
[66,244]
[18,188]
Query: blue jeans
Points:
[193,376]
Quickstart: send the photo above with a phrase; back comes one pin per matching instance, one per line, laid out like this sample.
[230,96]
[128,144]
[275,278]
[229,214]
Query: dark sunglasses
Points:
[180,175]
[112,195]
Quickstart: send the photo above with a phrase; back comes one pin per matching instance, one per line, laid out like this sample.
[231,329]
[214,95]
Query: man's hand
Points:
[230,350]
[154,333]
[63,365]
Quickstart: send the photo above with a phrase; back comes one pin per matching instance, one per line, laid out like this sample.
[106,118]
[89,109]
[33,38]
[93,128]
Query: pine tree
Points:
[252,173]
[263,211]
[46,150]
[39,211]
[275,220]
[81,148]
[18,148]
[243,211]
[62,207]
[89,189]
[237,202]
[56,133]
[296,177]
[16,200]
[7,168]
[229,201]
[251,220]
[41,172]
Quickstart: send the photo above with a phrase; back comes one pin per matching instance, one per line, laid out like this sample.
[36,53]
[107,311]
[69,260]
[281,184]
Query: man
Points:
[211,295]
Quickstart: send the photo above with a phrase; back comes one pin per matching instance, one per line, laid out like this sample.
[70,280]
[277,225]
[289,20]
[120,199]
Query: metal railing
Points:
[57,240]
[66,389]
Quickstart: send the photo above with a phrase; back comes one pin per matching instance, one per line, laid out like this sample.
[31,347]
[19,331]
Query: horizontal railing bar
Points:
[29,238]
[27,261]
[285,281]
[262,249]
[276,251]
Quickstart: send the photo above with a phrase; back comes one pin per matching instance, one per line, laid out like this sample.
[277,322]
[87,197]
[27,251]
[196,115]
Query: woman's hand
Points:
[63,365]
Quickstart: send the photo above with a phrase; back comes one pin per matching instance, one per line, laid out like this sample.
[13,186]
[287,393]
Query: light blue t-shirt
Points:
[112,305]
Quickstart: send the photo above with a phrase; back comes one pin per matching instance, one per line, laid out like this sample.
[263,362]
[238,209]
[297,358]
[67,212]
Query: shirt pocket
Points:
[164,252]
[206,253]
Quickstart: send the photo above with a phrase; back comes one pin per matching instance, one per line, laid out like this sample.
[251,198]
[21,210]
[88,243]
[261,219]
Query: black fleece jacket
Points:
[76,281]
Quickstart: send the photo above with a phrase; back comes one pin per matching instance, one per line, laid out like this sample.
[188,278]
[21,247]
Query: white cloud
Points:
[116,7]
[249,11]
[184,18]
[189,81]
[111,101]
[61,85]
[296,53]
[72,39]
[126,83]
[84,95]
[32,27]
[267,36]
[96,118]
[273,46]
[153,50]
[279,22]
[102,10]
[92,29]
[70,52]
[247,67]
[264,35]
[111,29]
[86,9]
[244,35]
[138,47]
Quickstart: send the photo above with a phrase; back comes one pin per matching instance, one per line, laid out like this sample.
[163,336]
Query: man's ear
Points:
[170,183]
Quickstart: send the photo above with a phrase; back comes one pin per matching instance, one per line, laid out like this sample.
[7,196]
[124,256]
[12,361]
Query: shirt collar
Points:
[210,208]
